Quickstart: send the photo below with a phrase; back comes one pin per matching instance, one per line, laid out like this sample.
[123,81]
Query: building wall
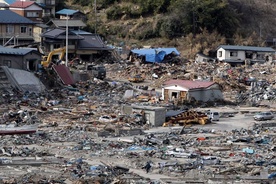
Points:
[226,54]
[155,117]
[18,11]
[36,33]
[206,95]
[16,30]
[12,61]
[35,16]
[160,117]
[167,91]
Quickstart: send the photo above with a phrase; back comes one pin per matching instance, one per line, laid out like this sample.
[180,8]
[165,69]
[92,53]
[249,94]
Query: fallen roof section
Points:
[23,80]
[64,74]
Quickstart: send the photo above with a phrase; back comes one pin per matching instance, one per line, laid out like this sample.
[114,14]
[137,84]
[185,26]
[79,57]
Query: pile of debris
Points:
[81,130]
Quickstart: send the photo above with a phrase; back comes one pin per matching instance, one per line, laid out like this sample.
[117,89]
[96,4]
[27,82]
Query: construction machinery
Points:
[97,71]
[47,59]
[188,117]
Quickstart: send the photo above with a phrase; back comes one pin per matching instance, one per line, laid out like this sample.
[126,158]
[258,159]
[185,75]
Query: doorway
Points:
[31,65]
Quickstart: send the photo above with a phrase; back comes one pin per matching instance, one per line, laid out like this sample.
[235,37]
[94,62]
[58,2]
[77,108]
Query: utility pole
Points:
[260,31]
[95,2]
[66,57]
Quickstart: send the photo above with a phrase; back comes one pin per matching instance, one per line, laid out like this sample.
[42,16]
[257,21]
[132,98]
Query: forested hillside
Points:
[190,25]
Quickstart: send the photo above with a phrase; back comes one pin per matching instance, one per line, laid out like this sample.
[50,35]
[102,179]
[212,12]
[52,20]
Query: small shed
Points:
[25,59]
[155,116]
[186,90]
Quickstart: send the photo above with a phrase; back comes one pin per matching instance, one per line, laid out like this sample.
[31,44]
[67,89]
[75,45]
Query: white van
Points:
[213,116]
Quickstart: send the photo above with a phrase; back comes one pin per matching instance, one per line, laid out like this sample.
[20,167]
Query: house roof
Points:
[189,84]
[63,22]
[59,33]
[67,12]
[247,48]
[87,41]
[22,4]
[41,25]
[92,41]
[10,17]
[12,51]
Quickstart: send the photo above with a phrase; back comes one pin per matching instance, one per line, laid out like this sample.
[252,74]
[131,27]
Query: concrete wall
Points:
[155,116]
[160,116]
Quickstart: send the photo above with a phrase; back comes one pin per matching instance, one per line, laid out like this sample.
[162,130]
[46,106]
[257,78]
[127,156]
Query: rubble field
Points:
[83,137]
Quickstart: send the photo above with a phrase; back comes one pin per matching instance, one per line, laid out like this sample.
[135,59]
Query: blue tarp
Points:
[155,55]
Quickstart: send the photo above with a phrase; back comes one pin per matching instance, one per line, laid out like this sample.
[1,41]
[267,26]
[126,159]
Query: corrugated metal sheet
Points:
[64,73]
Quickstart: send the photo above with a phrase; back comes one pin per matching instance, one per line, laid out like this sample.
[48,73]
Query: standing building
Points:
[15,29]
[186,90]
[234,54]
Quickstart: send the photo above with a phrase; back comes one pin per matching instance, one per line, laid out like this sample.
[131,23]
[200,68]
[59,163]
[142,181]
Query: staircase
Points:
[4,81]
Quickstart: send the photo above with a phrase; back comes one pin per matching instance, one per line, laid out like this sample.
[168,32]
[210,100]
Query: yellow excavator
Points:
[47,59]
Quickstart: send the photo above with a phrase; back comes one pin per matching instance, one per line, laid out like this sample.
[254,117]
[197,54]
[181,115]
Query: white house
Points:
[186,90]
[232,53]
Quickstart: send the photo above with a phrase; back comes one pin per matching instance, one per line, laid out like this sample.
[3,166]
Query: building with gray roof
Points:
[234,54]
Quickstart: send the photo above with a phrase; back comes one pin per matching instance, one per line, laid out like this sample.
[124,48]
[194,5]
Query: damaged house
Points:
[24,59]
[240,54]
[186,90]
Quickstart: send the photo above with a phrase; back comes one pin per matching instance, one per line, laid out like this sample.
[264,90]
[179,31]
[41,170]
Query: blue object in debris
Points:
[272,175]
[93,167]
[80,98]
[248,150]
[134,147]
[79,161]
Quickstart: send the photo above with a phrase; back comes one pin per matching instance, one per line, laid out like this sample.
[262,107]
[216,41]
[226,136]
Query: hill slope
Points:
[256,24]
